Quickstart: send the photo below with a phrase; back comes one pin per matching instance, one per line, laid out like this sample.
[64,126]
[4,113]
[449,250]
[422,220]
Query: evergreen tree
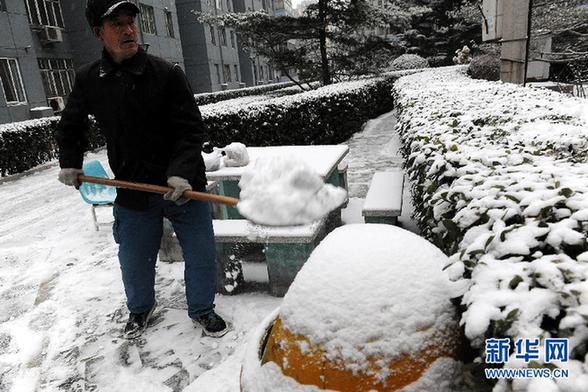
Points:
[332,41]
[440,29]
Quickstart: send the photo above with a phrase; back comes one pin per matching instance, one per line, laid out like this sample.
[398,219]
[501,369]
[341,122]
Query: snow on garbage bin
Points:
[369,311]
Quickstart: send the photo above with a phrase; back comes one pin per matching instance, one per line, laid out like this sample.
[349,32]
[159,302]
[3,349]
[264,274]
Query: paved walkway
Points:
[374,149]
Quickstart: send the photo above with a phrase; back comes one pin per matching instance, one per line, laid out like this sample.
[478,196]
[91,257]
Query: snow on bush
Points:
[485,67]
[409,61]
[221,105]
[462,56]
[208,98]
[501,185]
[26,144]
[327,115]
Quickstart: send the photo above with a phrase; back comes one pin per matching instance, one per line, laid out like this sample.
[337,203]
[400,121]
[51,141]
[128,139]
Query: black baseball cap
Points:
[97,10]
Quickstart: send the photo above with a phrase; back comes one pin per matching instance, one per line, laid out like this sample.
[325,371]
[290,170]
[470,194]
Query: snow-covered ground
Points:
[62,304]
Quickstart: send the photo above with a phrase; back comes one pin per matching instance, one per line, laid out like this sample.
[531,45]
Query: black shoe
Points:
[212,325]
[137,323]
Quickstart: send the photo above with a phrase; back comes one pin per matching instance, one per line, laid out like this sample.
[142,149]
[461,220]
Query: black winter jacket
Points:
[147,113]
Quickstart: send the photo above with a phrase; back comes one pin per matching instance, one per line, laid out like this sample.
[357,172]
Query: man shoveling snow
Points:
[152,138]
[160,147]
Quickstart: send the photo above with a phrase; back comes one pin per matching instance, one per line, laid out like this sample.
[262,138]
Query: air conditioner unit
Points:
[56,103]
[49,34]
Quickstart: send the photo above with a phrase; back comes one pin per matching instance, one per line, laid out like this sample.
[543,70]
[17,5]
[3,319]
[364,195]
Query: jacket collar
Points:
[134,65]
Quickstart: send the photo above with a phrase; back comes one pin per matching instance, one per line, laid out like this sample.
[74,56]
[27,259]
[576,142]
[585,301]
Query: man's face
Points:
[119,34]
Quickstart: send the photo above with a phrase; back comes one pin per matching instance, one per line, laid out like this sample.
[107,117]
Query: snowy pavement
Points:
[62,303]
[376,148]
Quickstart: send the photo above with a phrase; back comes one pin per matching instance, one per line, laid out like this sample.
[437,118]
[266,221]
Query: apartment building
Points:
[284,8]
[256,69]
[21,62]
[42,42]
[215,59]
[211,52]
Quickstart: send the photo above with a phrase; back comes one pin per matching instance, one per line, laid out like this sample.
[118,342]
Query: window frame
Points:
[218,74]
[147,19]
[13,85]
[57,75]
[233,41]
[237,73]
[169,23]
[43,11]
[223,36]
[227,73]
[212,35]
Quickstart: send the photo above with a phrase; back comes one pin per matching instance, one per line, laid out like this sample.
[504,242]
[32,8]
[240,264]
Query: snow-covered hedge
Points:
[208,98]
[26,144]
[500,183]
[485,67]
[327,115]
[409,61]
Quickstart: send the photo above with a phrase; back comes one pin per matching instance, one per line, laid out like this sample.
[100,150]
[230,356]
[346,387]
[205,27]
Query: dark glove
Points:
[180,185]
[69,176]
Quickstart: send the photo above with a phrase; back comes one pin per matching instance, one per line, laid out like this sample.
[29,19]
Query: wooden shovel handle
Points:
[137,186]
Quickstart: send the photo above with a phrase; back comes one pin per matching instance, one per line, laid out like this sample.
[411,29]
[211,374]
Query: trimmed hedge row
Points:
[26,144]
[208,98]
[326,115]
[499,183]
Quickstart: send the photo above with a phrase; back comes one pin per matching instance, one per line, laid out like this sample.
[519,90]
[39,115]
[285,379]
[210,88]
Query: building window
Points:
[223,36]
[147,15]
[12,81]
[229,6]
[236,73]
[212,36]
[45,12]
[58,76]
[232,38]
[218,77]
[169,24]
[227,73]
[263,5]
[3,5]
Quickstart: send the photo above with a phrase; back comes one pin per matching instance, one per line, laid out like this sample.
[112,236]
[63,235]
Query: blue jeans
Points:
[138,234]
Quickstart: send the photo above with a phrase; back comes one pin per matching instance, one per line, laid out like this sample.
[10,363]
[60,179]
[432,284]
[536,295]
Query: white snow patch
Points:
[370,291]
[282,190]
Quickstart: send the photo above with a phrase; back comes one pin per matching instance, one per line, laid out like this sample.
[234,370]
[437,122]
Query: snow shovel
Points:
[137,186]
[303,201]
